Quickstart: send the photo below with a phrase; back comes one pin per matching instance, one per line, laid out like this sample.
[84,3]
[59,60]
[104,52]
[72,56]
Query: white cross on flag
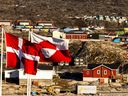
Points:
[53,49]
[21,52]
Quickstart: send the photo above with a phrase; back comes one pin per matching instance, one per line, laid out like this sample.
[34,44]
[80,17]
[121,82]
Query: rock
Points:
[116,85]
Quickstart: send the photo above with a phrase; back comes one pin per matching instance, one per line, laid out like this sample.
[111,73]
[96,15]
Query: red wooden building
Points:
[73,35]
[98,71]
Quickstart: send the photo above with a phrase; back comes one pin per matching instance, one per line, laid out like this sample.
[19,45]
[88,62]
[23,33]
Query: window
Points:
[105,72]
[98,71]
[87,72]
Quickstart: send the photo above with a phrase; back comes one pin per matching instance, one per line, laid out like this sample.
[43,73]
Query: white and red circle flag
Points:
[52,49]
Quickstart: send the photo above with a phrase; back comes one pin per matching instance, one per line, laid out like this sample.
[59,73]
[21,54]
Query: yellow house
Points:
[24,22]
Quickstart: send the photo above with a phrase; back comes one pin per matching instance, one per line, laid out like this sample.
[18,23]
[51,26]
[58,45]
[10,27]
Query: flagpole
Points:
[1,70]
[28,75]
[29,35]
[28,85]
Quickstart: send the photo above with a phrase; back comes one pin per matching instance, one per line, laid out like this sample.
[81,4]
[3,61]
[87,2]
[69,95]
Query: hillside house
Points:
[23,22]
[58,34]
[77,35]
[46,24]
[100,71]
[24,25]
[122,38]
[6,22]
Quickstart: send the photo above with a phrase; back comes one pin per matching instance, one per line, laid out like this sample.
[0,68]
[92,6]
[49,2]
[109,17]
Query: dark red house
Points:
[98,71]
[73,35]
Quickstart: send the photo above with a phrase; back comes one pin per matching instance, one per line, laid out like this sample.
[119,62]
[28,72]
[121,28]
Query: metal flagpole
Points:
[1,69]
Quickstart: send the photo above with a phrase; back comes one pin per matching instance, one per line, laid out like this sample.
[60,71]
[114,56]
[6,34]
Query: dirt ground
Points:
[12,89]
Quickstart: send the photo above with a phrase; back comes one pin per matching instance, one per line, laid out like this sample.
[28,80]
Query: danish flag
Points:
[21,53]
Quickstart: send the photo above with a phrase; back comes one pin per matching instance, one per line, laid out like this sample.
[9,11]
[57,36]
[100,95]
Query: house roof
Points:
[23,20]
[76,32]
[125,68]
[111,66]
[91,66]
[5,20]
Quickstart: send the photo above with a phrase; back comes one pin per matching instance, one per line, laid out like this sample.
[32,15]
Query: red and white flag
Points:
[53,49]
[21,52]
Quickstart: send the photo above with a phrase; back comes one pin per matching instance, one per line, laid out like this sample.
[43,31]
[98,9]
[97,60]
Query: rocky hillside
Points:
[99,52]
[60,10]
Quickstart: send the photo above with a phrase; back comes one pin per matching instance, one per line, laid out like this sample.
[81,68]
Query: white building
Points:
[19,73]
[58,34]
[6,22]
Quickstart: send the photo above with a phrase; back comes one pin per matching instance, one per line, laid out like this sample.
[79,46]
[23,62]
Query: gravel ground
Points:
[10,89]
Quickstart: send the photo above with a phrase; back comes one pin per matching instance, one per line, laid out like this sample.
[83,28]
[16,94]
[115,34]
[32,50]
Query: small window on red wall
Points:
[87,72]
[98,71]
[105,72]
